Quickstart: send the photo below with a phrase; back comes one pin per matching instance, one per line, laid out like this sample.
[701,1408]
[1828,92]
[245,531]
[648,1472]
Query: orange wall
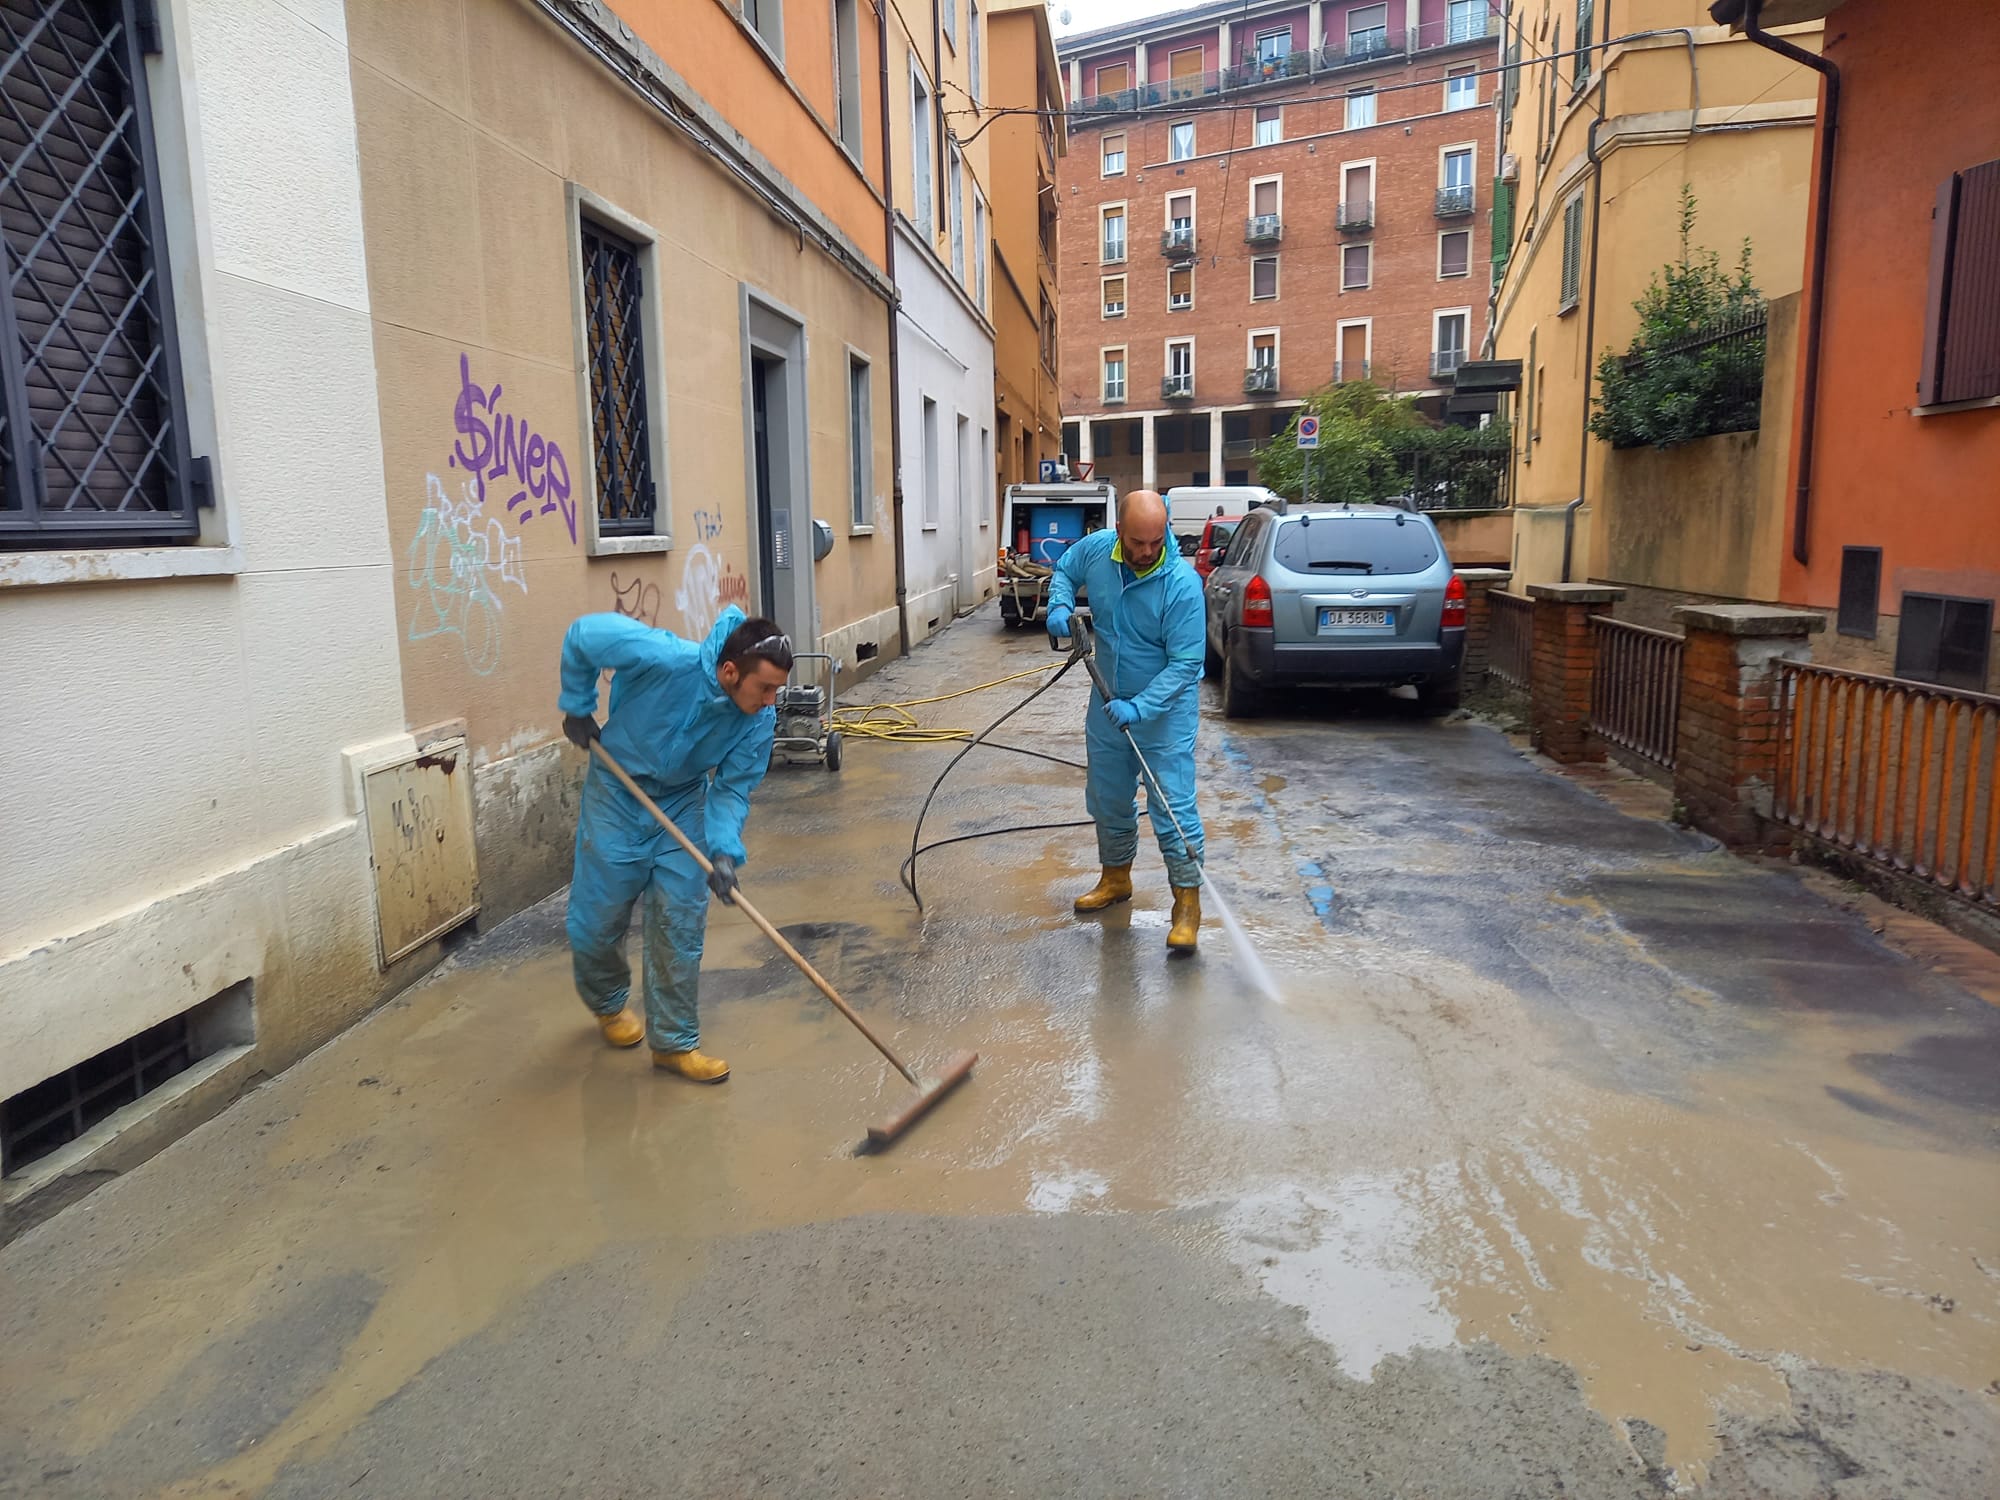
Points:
[1919,101]
[703,41]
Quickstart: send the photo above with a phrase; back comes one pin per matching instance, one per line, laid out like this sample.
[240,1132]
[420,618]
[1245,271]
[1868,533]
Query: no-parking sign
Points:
[1308,431]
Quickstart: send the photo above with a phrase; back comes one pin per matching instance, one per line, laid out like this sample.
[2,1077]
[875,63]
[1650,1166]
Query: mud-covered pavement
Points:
[1577,1159]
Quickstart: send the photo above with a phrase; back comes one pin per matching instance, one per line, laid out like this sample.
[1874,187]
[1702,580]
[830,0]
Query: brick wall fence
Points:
[1729,724]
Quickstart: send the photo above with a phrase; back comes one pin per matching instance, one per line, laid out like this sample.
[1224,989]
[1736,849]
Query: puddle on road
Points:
[1401,1156]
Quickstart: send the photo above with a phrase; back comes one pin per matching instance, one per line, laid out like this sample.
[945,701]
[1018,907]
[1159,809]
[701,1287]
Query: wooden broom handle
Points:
[742,904]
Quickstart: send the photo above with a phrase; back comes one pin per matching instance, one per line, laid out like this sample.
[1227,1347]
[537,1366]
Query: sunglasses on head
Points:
[772,643]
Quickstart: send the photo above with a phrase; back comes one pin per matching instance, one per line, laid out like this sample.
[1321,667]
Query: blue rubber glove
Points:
[1123,714]
[1057,620]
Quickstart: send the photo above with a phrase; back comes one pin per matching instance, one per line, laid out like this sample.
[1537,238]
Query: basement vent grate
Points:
[49,1115]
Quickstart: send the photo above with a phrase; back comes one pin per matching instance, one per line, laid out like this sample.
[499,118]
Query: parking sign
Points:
[1308,431]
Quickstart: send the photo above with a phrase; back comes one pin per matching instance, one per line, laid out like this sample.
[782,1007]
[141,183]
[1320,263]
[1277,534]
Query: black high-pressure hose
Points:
[908,873]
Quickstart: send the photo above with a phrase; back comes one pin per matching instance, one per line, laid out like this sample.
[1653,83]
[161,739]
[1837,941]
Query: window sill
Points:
[1568,307]
[1946,408]
[119,565]
[861,531]
[930,526]
[626,546]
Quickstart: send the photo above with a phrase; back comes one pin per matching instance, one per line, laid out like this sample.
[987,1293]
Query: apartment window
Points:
[1368,31]
[1945,640]
[1465,20]
[1356,264]
[954,210]
[1180,140]
[1180,222]
[1114,374]
[972,46]
[1461,89]
[1860,590]
[1272,46]
[1114,156]
[1184,72]
[1961,350]
[767,19]
[962,463]
[1448,331]
[1585,23]
[1264,350]
[1264,198]
[1360,108]
[860,444]
[1114,296]
[1180,289]
[979,249]
[1512,83]
[932,474]
[1549,92]
[1455,194]
[1357,196]
[1454,254]
[847,73]
[1263,278]
[1113,220]
[920,153]
[1114,78]
[621,439]
[1572,261]
[948,15]
[1351,357]
[1180,368]
[93,416]
[1530,414]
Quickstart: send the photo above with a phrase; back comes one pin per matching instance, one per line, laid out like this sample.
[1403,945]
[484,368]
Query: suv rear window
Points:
[1365,545]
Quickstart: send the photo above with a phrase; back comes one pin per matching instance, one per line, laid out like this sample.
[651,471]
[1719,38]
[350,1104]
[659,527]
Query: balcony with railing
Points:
[1177,241]
[1349,369]
[1361,50]
[1260,380]
[1445,362]
[1355,213]
[1178,387]
[1263,229]
[1454,202]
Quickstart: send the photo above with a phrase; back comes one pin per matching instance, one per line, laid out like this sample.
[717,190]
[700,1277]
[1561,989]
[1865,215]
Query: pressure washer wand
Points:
[1086,650]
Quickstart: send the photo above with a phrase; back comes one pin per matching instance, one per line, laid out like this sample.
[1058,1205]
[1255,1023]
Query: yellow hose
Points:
[895,723]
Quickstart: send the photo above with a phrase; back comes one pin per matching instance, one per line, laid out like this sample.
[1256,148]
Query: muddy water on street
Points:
[1401,1151]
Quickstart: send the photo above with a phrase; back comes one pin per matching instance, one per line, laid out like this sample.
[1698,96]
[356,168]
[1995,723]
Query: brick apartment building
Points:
[1260,199]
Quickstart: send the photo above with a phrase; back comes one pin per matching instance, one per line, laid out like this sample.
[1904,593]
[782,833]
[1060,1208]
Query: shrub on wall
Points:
[1696,366]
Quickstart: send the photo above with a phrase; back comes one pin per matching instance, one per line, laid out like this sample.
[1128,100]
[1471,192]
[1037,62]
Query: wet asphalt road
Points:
[1574,1158]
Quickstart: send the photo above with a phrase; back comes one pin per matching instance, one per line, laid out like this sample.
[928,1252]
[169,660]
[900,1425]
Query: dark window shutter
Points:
[94,430]
[1961,350]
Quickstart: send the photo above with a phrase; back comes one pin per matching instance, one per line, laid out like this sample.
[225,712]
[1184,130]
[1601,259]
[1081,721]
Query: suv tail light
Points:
[1454,603]
[1257,602]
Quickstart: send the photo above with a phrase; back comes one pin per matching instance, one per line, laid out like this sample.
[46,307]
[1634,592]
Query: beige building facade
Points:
[1599,134]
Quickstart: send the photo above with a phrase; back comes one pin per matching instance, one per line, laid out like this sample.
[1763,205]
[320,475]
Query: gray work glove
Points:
[581,729]
[722,878]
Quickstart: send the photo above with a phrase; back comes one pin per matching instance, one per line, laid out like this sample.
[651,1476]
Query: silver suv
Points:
[1358,596]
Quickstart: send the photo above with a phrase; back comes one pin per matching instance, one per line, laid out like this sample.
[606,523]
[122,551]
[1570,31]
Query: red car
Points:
[1215,535]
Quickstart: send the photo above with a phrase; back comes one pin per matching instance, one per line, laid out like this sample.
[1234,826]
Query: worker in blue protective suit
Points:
[692,723]
[1146,613]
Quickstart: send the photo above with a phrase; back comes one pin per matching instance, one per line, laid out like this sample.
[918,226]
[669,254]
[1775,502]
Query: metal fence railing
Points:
[1720,369]
[1635,688]
[1899,772]
[1511,643]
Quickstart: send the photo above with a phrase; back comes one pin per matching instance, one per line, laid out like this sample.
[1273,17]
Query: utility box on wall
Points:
[419,814]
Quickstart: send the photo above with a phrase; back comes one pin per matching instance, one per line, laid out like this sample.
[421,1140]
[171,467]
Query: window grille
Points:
[621,440]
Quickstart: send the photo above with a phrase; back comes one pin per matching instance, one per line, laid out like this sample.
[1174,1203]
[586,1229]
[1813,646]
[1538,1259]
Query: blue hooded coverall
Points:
[1150,643]
[671,726]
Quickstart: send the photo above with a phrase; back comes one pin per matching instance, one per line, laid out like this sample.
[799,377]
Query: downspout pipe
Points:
[1816,302]
[1603,85]
[895,341]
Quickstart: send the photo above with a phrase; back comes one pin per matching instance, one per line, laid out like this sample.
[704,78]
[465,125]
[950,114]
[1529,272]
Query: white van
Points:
[1189,507]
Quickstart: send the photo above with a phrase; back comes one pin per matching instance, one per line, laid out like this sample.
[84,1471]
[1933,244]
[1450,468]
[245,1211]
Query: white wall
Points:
[176,813]
[945,355]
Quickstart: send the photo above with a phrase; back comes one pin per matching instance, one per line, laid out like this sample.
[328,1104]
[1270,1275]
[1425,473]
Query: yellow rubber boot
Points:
[1187,919]
[697,1066]
[624,1029]
[1113,886]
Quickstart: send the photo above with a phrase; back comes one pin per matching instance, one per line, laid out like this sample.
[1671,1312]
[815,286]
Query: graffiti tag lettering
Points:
[458,558]
[637,600]
[497,446]
[698,597]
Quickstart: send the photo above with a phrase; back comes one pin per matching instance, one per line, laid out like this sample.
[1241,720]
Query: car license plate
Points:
[1349,619]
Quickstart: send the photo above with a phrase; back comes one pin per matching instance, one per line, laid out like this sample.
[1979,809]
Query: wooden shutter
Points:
[1961,352]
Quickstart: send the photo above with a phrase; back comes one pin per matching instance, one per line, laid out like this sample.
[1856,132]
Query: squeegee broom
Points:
[879,1136]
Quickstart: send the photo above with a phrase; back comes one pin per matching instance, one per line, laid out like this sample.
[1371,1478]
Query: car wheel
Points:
[1239,699]
[1436,699]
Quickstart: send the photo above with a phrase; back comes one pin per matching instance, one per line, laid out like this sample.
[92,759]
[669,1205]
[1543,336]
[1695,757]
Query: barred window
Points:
[94,446]
[620,434]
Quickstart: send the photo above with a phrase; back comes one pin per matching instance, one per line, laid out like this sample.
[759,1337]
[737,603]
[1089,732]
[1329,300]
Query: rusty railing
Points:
[1635,688]
[1510,643]
[1899,772]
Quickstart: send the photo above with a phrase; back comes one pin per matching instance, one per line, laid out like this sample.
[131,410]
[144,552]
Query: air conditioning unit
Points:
[1510,168]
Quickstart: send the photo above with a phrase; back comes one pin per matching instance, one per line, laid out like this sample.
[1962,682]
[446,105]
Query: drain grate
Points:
[57,1110]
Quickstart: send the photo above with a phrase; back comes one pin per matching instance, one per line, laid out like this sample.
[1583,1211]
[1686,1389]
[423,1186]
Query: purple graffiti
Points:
[496,445]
